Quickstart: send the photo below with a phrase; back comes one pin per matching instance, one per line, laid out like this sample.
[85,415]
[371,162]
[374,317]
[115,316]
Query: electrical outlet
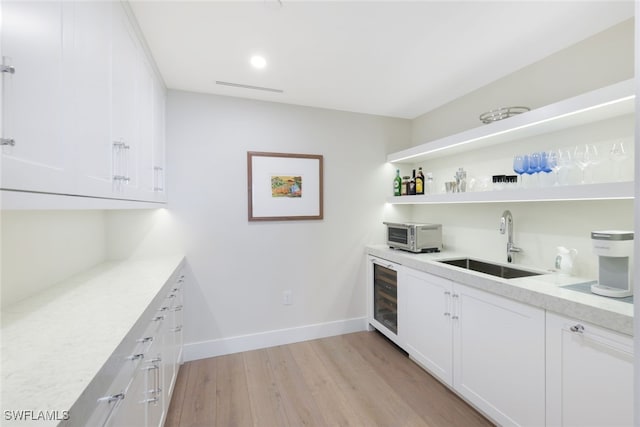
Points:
[286,297]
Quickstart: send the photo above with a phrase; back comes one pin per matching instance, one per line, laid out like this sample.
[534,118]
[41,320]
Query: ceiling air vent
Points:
[268,89]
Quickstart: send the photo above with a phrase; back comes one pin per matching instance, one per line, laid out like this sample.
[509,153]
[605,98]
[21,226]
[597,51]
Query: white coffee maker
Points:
[615,263]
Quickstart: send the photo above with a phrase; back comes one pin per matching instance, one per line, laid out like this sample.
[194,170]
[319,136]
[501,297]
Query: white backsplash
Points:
[539,228]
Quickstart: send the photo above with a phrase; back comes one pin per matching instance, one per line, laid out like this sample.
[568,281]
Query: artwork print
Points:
[286,186]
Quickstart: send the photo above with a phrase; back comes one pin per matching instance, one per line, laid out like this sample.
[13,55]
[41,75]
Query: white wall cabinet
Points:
[589,375]
[488,348]
[82,75]
[33,40]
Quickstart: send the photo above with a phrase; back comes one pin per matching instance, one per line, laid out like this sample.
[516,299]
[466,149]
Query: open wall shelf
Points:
[606,191]
[604,103]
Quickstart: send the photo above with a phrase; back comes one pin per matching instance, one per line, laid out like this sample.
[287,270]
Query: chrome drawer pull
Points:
[577,328]
[112,398]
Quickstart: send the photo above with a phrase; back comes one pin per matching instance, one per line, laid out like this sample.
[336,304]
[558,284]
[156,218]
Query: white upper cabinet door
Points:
[88,90]
[589,375]
[142,180]
[499,356]
[33,41]
[425,315]
[125,132]
[159,103]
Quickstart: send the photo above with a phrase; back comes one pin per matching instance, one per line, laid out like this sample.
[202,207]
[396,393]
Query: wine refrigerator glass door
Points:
[385,297]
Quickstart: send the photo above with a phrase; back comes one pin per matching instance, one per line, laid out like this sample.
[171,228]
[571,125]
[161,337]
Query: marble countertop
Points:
[54,343]
[544,291]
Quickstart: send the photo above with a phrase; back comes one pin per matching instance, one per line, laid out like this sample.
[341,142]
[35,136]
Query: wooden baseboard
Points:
[222,346]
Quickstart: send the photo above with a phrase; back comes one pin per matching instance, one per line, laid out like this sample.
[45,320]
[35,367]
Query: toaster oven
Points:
[414,237]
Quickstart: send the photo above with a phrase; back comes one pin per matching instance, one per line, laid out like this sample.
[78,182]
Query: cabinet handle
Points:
[144,339]
[447,303]
[120,163]
[7,141]
[454,305]
[155,360]
[136,356]
[157,319]
[111,398]
[577,328]
[176,329]
[7,69]
[153,400]
[177,308]
[158,177]
[165,308]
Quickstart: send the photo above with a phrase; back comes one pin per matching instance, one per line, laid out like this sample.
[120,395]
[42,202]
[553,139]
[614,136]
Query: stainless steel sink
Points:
[498,270]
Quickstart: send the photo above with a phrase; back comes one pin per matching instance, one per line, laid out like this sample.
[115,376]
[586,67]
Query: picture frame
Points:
[284,186]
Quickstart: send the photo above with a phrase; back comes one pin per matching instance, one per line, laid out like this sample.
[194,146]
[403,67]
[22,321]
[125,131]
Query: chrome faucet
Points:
[506,224]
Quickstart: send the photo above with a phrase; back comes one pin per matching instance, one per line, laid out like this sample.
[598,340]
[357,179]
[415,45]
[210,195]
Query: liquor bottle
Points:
[405,185]
[397,183]
[420,182]
[412,185]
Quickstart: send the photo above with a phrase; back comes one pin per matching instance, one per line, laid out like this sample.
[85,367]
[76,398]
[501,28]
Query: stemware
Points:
[617,154]
[520,165]
[534,164]
[582,156]
[550,164]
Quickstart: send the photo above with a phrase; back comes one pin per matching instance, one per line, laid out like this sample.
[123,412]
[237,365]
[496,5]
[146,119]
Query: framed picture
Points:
[283,187]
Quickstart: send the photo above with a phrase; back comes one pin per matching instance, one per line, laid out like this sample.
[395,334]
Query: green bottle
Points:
[397,184]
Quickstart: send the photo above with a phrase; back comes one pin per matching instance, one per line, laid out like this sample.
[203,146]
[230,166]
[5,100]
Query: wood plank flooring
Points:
[357,379]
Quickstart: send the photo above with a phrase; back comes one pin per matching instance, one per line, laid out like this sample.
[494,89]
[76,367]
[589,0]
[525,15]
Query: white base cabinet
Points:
[425,316]
[498,356]
[488,348]
[145,374]
[589,375]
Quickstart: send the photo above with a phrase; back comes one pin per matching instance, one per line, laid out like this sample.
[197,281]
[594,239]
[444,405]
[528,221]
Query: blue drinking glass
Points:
[520,165]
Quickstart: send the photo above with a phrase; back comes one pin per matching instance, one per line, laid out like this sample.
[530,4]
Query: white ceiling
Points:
[391,58]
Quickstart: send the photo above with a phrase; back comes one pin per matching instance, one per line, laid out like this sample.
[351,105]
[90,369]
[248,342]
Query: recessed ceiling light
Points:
[258,61]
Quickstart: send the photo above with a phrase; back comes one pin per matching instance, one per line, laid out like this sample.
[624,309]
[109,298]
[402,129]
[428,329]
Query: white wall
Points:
[40,248]
[242,267]
[539,227]
[142,233]
[598,61]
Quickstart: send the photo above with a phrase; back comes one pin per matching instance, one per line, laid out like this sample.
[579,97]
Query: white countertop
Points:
[54,343]
[544,291]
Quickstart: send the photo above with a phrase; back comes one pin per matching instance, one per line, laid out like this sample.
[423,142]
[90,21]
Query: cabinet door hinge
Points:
[7,69]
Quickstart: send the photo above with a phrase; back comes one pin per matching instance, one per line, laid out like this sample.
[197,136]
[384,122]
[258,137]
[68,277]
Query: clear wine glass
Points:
[582,156]
[617,154]
[549,162]
[596,159]
[520,165]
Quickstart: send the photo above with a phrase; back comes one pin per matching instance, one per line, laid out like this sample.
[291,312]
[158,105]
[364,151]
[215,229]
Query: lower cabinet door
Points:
[425,315]
[589,375]
[499,356]
[131,410]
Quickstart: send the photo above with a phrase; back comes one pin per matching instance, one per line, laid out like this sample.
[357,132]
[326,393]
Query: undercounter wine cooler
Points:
[385,296]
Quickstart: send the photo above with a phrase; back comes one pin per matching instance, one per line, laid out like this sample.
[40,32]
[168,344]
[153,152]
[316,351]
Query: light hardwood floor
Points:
[359,379]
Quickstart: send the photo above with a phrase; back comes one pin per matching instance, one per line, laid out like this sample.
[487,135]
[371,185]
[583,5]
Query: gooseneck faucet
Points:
[506,224]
